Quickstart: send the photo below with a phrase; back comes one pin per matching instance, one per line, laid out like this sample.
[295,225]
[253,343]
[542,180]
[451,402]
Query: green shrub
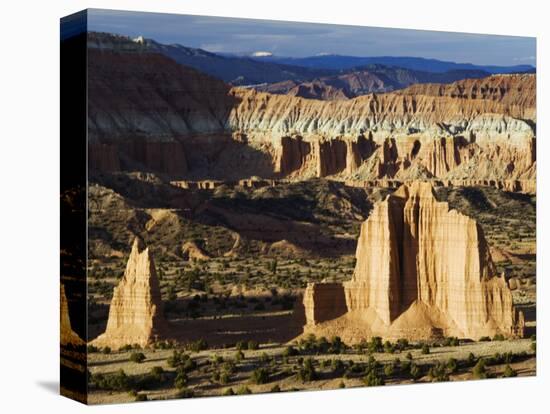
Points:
[253,345]
[341,385]
[499,337]
[215,377]
[451,341]
[106,350]
[452,365]
[181,380]
[389,348]
[260,376]
[181,359]
[372,379]
[243,390]
[307,371]
[216,359]
[229,367]
[92,349]
[118,381]
[337,365]
[336,346]
[224,378]
[415,371]
[509,372]
[409,356]
[485,339]
[290,351]
[438,373]
[388,370]
[228,391]
[141,397]
[375,344]
[425,349]
[137,357]
[479,371]
[156,371]
[189,365]
[471,358]
[533,346]
[185,393]
[402,344]
[241,345]
[275,388]
[128,347]
[199,345]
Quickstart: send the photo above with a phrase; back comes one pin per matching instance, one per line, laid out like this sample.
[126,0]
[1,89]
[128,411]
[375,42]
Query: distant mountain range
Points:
[337,62]
[364,80]
[236,70]
[326,77]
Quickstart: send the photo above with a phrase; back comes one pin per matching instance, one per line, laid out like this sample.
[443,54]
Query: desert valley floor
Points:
[242,297]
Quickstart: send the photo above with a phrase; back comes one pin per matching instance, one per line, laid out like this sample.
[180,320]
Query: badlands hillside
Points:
[147,112]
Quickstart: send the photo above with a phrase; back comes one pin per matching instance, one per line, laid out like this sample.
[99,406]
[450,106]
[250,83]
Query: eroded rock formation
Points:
[422,271]
[191,251]
[323,302]
[155,114]
[68,336]
[136,311]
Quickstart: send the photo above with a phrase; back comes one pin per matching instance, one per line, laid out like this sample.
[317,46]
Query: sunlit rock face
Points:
[422,271]
[136,312]
[68,336]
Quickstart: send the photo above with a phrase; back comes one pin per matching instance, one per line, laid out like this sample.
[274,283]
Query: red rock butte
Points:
[136,311]
[423,271]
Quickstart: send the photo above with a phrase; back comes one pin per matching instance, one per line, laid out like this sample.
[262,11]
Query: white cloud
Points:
[524,58]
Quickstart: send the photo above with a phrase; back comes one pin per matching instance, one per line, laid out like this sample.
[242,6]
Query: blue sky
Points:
[230,35]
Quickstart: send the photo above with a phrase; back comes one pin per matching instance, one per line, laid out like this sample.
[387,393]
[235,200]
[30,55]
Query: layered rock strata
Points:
[148,112]
[422,271]
[136,311]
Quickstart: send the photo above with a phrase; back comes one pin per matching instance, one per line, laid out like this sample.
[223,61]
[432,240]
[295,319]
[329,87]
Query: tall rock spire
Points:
[136,311]
[68,336]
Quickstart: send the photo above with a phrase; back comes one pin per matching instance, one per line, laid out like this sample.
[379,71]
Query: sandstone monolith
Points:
[68,336]
[136,311]
[422,271]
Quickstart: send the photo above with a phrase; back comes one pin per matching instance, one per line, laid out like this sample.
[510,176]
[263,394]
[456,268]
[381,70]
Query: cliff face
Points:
[422,271]
[403,112]
[511,91]
[148,112]
[136,311]
[323,302]
[140,105]
[413,134]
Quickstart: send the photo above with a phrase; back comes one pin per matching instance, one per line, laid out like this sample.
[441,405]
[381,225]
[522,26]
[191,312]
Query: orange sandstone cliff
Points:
[422,271]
